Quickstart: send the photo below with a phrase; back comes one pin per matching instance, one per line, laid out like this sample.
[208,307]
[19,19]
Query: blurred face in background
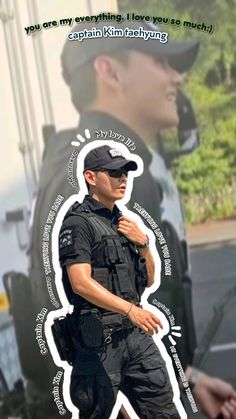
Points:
[150,89]
[142,91]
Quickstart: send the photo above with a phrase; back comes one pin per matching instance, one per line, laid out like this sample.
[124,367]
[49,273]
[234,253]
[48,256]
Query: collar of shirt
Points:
[96,121]
[100,209]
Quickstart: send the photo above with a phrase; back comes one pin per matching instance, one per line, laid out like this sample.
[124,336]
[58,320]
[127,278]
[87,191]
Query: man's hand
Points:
[215,397]
[131,231]
[145,320]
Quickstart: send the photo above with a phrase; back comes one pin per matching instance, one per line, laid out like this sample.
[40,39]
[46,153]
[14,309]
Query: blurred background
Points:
[33,95]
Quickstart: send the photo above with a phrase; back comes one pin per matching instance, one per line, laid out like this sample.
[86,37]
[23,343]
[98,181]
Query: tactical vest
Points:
[112,267]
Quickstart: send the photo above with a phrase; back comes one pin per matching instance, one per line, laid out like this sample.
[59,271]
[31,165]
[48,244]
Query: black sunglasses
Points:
[116,173]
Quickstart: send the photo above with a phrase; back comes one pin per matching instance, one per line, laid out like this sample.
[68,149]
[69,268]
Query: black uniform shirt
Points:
[76,240]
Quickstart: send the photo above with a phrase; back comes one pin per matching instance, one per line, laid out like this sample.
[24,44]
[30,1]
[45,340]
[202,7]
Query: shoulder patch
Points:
[65,238]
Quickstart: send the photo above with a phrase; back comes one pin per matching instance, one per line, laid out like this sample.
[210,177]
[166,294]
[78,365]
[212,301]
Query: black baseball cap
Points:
[106,157]
[181,55]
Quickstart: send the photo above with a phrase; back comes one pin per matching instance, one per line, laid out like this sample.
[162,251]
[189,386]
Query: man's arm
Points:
[213,395]
[130,229]
[150,265]
[82,283]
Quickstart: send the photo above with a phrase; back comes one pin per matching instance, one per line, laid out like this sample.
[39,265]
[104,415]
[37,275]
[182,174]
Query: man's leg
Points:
[95,381]
[146,382]
[94,395]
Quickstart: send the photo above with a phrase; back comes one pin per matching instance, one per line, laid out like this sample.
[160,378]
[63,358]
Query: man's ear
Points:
[107,70]
[90,177]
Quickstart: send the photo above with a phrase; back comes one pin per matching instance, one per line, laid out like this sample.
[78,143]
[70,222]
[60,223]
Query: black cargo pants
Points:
[131,363]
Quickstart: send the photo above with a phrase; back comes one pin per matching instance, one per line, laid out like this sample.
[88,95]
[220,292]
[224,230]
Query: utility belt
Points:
[93,329]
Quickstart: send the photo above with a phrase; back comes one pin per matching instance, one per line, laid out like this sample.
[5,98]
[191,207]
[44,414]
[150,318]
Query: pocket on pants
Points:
[155,375]
[158,377]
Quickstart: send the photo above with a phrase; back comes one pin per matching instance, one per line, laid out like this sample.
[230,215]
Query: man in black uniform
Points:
[107,261]
[129,86]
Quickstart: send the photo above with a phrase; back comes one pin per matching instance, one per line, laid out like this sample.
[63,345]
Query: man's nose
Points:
[124,176]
